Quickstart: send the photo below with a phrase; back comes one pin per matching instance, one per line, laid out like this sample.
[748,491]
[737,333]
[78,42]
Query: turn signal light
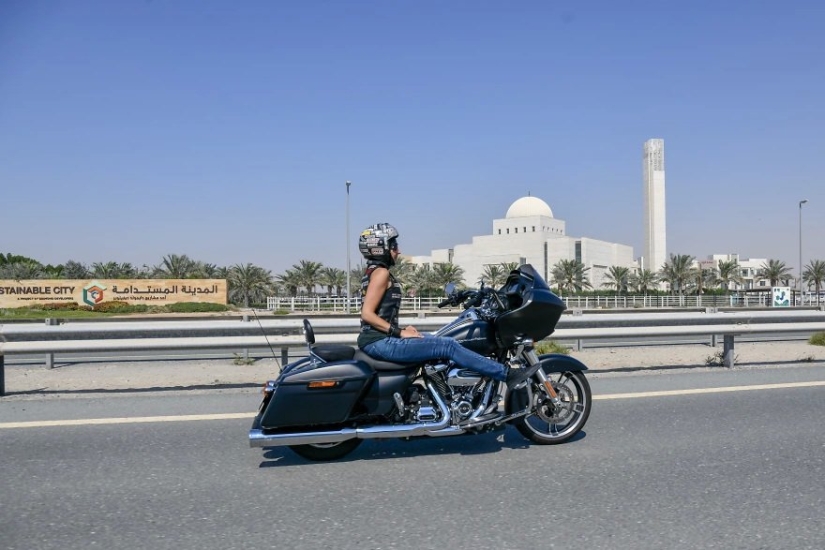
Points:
[322,384]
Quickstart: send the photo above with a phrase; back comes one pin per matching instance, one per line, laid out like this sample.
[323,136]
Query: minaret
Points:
[653,168]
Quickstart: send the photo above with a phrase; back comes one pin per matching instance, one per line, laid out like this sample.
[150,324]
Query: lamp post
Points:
[803,201]
[348,247]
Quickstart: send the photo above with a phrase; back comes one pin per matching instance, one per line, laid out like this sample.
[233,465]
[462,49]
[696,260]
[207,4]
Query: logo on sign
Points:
[93,293]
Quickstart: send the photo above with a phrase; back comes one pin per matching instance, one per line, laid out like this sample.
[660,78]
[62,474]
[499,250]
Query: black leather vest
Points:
[389,305]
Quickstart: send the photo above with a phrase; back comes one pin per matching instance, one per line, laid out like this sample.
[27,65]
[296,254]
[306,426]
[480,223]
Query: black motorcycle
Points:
[324,405]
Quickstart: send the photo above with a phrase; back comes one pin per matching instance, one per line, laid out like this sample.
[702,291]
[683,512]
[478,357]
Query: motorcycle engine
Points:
[465,385]
[462,388]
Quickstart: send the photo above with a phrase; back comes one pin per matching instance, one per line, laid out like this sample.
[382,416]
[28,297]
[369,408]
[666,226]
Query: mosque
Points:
[529,233]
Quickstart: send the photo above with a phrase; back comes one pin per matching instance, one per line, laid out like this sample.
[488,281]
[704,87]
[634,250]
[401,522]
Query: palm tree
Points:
[677,272]
[75,270]
[729,273]
[332,278]
[355,276]
[702,278]
[617,277]
[642,280]
[421,281]
[175,267]
[9,259]
[53,271]
[402,268]
[571,275]
[249,283]
[309,274]
[203,270]
[23,269]
[508,267]
[814,274]
[113,270]
[447,272]
[494,275]
[289,281]
[775,271]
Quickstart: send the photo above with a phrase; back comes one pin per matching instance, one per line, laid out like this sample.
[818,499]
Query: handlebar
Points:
[472,298]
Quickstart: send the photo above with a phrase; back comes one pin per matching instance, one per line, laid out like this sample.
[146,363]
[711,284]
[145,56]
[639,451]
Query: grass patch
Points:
[718,359]
[241,360]
[551,346]
[817,339]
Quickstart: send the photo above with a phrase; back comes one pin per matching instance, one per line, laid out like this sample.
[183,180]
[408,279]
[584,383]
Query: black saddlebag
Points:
[323,395]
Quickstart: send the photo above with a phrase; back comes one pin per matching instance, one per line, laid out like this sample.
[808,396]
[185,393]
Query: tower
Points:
[653,168]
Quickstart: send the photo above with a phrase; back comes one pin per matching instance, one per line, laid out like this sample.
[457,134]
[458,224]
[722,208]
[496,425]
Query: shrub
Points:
[817,339]
[551,346]
[195,307]
[718,359]
[59,306]
[280,312]
[114,307]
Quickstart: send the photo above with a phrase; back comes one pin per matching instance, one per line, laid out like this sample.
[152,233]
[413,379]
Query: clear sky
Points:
[225,130]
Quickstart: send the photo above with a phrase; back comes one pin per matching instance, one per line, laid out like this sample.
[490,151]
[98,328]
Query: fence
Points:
[418,303]
[286,333]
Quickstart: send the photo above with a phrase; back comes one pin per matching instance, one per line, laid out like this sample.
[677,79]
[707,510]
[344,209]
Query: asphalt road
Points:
[737,464]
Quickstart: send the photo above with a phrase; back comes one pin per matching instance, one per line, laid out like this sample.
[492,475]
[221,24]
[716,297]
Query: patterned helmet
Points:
[374,242]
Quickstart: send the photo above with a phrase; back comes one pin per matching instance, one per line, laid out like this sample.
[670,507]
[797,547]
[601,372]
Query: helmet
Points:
[374,242]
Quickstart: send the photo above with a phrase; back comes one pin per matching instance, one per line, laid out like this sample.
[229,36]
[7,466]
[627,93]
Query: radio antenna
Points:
[278,363]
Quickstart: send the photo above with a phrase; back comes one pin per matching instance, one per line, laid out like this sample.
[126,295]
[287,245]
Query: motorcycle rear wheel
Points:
[550,425]
[326,451]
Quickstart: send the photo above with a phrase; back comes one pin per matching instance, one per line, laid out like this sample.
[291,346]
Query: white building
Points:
[530,234]
[653,170]
[749,270]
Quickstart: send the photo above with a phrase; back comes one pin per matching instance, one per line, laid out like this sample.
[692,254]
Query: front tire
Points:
[326,451]
[548,424]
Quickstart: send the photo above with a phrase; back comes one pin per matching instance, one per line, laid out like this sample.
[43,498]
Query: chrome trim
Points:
[257,438]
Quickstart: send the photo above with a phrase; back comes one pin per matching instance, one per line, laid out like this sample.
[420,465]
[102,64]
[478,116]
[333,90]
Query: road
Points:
[679,459]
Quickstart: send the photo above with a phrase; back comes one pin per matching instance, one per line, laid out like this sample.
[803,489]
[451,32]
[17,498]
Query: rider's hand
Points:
[410,332]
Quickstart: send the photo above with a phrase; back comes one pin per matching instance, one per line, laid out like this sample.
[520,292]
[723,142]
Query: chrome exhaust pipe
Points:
[257,438]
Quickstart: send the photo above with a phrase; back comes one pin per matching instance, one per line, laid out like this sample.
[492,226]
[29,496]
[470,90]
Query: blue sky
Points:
[225,130]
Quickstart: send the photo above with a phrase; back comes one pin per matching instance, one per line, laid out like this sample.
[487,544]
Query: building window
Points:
[499,231]
[508,230]
[525,229]
[516,229]
[534,229]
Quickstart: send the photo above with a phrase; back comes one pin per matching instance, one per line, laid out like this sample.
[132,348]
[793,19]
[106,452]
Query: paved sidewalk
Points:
[33,381]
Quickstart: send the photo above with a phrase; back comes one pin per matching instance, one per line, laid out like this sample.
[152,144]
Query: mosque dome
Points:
[529,206]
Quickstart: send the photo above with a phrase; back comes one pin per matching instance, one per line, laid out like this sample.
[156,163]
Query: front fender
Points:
[558,362]
[550,363]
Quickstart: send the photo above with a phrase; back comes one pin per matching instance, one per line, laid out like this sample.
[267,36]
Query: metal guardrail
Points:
[285,333]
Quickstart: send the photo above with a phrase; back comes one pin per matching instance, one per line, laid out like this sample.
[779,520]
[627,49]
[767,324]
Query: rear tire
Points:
[326,451]
[549,425]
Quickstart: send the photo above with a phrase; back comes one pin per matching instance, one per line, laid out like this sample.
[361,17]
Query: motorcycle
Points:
[324,405]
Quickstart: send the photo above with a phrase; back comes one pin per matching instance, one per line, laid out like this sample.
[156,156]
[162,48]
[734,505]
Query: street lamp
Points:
[803,201]
[348,247]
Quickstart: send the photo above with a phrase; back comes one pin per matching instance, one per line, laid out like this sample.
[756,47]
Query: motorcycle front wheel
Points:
[326,451]
[549,424]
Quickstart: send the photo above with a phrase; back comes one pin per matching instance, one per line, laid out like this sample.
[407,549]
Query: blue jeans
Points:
[414,350]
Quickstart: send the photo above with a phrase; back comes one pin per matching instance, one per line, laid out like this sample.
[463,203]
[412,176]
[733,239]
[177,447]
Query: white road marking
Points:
[709,390]
[133,420]
[239,416]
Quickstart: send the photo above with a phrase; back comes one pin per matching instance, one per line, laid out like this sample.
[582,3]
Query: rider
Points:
[383,339]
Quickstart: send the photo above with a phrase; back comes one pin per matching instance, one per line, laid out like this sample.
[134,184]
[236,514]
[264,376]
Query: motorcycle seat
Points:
[334,352]
[379,365]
